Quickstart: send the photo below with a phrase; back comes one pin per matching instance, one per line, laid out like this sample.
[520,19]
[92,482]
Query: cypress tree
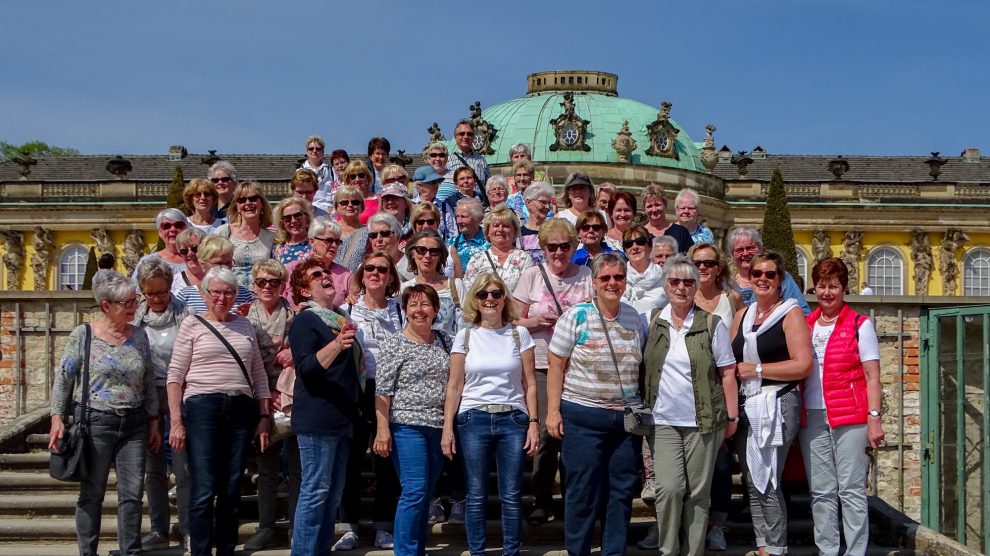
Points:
[777,233]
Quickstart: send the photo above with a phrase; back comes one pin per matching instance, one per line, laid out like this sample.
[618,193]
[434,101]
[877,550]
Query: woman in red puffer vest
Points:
[842,402]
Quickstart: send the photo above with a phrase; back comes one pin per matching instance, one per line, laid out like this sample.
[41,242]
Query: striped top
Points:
[591,377]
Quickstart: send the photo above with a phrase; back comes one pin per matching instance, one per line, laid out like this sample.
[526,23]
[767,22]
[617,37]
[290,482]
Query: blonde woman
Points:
[292,219]
[200,197]
[358,176]
[250,217]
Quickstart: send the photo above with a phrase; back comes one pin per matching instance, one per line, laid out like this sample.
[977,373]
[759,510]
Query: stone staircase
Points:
[36,517]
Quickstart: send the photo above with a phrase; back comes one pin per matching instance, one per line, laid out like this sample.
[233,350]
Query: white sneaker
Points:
[716,539]
[186,546]
[649,491]
[456,512]
[383,540]
[154,541]
[436,514]
[348,541]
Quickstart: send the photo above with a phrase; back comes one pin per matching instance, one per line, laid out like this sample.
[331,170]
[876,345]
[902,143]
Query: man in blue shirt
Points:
[464,155]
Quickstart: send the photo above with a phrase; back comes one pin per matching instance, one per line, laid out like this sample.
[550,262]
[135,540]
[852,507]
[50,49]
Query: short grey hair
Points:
[220,273]
[743,232]
[466,121]
[437,146]
[182,240]
[154,267]
[602,260]
[537,189]
[521,148]
[682,266]
[687,192]
[225,166]
[388,220]
[171,214]
[110,285]
[666,240]
[322,225]
[474,205]
[497,179]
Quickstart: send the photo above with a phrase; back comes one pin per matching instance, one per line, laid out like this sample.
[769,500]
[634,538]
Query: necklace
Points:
[760,314]
[827,320]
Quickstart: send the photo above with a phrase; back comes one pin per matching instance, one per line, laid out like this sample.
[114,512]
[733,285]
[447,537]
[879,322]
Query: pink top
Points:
[203,365]
[340,275]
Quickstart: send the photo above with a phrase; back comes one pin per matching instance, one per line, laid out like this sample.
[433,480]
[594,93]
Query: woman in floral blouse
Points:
[292,219]
[501,227]
[412,382]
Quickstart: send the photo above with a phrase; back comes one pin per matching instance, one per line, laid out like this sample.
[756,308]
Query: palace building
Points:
[908,225]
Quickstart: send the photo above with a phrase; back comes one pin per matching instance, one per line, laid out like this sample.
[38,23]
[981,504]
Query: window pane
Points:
[72,268]
[976,273]
[884,272]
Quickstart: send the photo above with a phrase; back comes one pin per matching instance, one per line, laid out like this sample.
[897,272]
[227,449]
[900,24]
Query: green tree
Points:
[777,233]
[33,148]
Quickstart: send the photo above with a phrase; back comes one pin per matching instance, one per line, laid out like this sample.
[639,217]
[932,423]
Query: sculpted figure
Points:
[953,239]
[134,246]
[924,263]
[13,258]
[44,245]
[821,244]
[852,246]
[104,243]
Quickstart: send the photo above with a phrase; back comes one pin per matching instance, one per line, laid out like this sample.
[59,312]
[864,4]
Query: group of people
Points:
[448,321]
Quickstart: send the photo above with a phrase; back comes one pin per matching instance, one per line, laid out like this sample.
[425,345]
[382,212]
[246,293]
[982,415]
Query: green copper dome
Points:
[528,120]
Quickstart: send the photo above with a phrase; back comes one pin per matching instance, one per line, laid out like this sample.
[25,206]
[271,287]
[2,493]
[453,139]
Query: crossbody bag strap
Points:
[546,280]
[84,393]
[611,350]
[467,340]
[453,292]
[230,348]
[491,261]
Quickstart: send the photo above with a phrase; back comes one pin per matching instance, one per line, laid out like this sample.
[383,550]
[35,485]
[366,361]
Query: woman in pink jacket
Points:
[842,398]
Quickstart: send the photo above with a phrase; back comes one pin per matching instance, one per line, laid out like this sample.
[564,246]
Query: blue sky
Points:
[800,77]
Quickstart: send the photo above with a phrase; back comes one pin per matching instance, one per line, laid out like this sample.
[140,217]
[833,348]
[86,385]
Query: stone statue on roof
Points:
[43,242]
[13,259]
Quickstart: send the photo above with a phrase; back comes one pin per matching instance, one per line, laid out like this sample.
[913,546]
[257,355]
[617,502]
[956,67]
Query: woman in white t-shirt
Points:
[491,396]
[842,403]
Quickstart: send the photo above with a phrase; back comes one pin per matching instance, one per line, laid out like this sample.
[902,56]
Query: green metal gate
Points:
[955,428]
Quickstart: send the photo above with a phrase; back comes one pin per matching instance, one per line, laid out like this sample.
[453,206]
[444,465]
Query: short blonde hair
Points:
[357,167]
[212,246]
[422,209]
[556,226]
[470,305]
[348,192]
[270,266]
[503,215]
[392,171]
[653,190]
[198,185]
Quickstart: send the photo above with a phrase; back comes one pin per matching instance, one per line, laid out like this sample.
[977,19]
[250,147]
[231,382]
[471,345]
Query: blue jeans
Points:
[602,459]
[219,429]
[479,436]
[418,460]
[323,459]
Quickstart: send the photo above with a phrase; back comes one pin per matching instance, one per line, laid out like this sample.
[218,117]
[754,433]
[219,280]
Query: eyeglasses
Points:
[268,282]
[427,221]
[757,273]
[222,294]
[155,295]
[349,202]
[316,275]
[676,282]
[692,209]
[746,249]
[129,303]
[224,179]
[592,227]
[710,263]
[166,226]
[293,216]
[249,199]
[202,194]
[485,294]
[384,234]
[422,250]
[437,155]
[541,202]
[554,247]
[314,149]
[641,241]
[328,240]
[376,268]
[356,176]
[606,278]
[185,250]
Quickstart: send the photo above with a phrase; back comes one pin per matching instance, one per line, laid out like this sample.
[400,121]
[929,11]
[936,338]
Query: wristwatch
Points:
[732,419]
[535,420]
[874,413]
[759,371]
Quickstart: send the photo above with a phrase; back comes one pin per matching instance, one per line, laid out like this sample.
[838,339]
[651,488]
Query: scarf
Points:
[275,324]
[639,285]
[336,322]
[174,312]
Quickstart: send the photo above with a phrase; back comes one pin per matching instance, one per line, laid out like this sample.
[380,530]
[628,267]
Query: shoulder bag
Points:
[638,421]
[68,463]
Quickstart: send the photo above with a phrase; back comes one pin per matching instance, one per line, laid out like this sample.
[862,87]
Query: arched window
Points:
[976,272]
[802,268]
[72,267]
[885,272]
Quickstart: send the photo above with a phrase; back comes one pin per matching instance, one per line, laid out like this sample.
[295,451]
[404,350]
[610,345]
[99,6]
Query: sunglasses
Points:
[592,227]
[349,202]
[465,134]
[423,250]
[770,274]
[356,176]
[376,268]
[293,216]
[315,149]
[606,278]
[268,282]
[329,240]
[554,247]
[186,250]
[437,155]
[641,241]
[316,274]
[225,179]
[166,226]
[485,294]
[708,263]
[675,282]
[426,221]
[249,199]
[202,194]
[384,234]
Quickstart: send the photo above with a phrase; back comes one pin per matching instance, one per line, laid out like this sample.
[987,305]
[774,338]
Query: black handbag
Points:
[68,464]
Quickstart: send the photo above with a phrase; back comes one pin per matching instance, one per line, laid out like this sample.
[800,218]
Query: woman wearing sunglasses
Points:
[377,316]
[384,234]
[772,345]
[349,202]
[250,217]
[544,293]
[501,227]
[491,401]
[359,177]
[170,223]
[292,218]
[187,244]
[200,197]
[324,237]
[689,383]
[591,230]
[644,286]
[427,256]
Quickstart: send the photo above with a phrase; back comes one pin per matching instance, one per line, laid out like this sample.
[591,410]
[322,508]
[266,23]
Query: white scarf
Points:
[639,285]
